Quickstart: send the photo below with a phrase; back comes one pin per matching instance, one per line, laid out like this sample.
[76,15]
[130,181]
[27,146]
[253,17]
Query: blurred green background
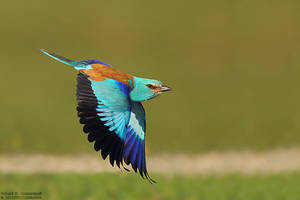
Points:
[233,66]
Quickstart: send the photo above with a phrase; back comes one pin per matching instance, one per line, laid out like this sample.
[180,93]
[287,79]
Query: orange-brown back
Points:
[101,72]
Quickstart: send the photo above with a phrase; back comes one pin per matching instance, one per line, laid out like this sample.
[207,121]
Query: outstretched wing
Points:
[115,123]
[134,148]
[112,121]
[104,109]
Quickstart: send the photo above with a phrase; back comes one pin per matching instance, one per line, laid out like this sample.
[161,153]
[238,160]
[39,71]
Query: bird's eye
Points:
[150,86]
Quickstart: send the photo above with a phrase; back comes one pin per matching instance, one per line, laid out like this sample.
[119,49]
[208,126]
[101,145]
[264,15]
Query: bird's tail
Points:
[76,64]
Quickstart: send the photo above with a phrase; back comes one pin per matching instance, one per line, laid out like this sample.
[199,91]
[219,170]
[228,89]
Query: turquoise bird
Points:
[110,108]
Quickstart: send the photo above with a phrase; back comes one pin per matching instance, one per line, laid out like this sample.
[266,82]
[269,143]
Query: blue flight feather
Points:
[129,145]
[112,113]
[109,93]
[140,155]
[134,151]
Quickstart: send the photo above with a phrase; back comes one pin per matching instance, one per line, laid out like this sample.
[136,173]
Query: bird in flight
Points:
[110,108]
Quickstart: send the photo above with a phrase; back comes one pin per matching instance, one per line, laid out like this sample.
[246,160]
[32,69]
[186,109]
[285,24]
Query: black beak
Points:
[165,88]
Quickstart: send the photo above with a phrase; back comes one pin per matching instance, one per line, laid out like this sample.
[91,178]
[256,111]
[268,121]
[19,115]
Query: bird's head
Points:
[145,89]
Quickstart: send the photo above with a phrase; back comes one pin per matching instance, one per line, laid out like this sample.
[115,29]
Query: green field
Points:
[234,67]
[113,186]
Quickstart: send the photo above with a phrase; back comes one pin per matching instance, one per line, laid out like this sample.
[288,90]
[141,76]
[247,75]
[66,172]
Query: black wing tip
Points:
[149,178]
[105,140]
[128,170]
[143,173]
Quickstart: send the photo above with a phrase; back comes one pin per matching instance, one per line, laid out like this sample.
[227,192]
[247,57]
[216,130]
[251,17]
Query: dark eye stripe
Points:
[151,86]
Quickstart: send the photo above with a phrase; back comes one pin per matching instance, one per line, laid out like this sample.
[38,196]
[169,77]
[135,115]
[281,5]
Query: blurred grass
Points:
[112,186]
[233,65]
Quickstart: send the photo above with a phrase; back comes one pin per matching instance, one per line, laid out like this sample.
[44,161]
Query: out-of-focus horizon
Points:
[233,67]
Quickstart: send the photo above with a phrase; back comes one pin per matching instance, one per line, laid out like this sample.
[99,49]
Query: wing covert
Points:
[113,122]
[104,110]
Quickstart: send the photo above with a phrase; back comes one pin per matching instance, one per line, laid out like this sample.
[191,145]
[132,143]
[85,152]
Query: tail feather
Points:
[76,64]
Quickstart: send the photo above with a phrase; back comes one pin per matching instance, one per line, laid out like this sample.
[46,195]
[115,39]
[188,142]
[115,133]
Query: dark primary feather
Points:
[131,147]
[108,142]
[132,150]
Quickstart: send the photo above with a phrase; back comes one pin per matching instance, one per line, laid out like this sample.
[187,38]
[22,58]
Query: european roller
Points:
[110,109]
